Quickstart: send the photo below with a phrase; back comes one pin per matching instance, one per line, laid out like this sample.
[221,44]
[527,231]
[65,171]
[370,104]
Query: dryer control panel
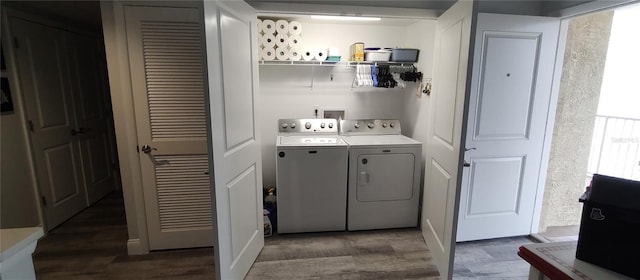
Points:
[370,127]
[308,125]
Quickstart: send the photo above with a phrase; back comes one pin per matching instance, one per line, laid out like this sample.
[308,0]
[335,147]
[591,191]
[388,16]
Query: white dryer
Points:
[311,176]
[384,175]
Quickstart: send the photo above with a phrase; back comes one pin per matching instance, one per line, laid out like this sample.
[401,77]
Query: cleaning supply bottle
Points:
[268,229]
[271,198]
[270,202]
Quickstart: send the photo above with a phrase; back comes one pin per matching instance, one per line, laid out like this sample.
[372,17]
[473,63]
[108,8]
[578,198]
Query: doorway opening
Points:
[597,128]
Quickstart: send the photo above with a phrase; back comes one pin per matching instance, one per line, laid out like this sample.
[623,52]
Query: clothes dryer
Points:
[384,175]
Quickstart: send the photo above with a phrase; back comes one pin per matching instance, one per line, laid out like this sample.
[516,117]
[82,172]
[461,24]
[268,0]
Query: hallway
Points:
[92,245]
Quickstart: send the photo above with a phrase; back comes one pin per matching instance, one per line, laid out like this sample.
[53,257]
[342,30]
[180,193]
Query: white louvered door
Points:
[166,59]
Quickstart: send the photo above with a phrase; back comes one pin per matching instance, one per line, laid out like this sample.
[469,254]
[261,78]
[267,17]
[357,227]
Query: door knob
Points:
[75,132]
[148,149]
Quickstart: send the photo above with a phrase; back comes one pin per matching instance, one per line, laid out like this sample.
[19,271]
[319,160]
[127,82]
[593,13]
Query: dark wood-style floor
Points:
[92,245]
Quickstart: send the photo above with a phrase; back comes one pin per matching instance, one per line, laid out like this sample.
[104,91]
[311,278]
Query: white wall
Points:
[286,92]
[416,115]
[421,34]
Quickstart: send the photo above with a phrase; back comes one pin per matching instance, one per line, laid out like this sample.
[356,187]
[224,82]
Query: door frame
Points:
[121,97]
[117,53]
[565,16]
[550,124]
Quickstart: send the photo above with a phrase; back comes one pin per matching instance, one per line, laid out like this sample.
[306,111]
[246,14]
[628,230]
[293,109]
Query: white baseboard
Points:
[135,247]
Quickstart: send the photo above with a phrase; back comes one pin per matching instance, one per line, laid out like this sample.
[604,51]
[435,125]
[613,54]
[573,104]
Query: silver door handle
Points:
[469,149]
[148,149]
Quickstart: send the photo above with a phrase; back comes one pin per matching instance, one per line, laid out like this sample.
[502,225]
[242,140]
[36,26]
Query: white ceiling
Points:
[86,13]
[412,4]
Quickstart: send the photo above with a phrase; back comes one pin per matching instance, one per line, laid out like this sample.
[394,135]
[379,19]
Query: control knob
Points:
[284,125]
[322,125]
[357,125]
[330,125]
[384,124]
[307,125]
[392,125]
[371,125]
[293,125]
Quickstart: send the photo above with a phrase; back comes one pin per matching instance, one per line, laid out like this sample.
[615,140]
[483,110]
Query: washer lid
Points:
[309,140]
[377,140]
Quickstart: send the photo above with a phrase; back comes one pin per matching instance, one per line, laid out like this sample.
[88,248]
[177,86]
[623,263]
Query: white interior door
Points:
[237,168]
[45,81]
[508,108]
[166,55]
[447,106]
[91,115]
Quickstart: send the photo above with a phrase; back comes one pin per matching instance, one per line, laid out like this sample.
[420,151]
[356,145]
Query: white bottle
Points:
[268,230]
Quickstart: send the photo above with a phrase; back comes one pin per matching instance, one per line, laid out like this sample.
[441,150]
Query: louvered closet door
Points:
[166,60]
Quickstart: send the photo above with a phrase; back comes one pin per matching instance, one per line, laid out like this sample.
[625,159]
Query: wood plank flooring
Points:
[92,245]
[380,254]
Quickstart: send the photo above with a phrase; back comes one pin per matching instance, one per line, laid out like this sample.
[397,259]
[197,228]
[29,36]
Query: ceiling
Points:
[86,13]
[414,4]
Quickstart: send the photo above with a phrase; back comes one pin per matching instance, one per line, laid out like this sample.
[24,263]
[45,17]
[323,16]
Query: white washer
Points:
[311,176]
[384,175]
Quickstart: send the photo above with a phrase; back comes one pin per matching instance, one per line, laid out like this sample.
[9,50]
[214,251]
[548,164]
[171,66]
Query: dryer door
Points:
[385,177]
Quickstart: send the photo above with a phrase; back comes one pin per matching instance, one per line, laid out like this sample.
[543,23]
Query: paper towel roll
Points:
[282,41]
[307,55]
[268,54]
[295,28]
[282,53]
[320,54]
[268,26]
[282,27]
[268,40]
[295,41]
[295,54]
[260,25]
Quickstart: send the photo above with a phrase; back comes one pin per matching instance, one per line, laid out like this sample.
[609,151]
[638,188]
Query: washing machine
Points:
[384,175]
[311,176]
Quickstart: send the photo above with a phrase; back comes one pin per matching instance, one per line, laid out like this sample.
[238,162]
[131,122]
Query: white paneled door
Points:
[92,116]
[508,108]
[443,162]
[166,56]
[41,53]
[237,168]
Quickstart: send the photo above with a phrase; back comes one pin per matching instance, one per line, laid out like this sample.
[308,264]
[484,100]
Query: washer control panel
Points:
[308,125]
[370,126]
